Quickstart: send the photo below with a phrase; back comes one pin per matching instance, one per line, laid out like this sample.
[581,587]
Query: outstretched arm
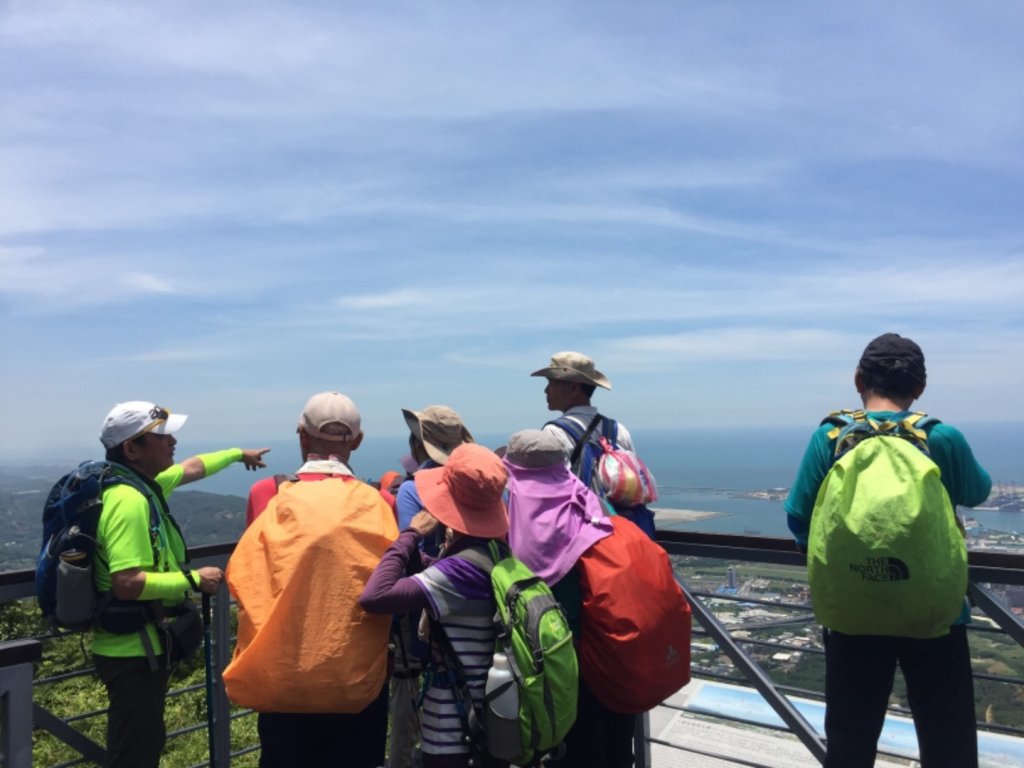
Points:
[198,467]
[136,584]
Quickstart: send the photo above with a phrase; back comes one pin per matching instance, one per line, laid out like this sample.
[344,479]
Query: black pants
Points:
[859,672]
[599,738]
[301,740]
[459,761]
[135,722]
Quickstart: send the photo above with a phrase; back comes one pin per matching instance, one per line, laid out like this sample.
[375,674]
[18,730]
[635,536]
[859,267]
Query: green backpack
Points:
[534,633]
[885,555]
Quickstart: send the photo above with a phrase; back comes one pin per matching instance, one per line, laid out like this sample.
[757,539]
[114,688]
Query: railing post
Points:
[985,600]
[642,742]
[16,659]
[221,655]
[795,721]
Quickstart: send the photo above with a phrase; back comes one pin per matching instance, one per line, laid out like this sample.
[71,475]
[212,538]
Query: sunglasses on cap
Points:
[159,416]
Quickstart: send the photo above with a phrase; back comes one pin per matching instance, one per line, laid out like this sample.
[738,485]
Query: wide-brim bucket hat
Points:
[466,493]
[534,448]
[573,366]
[439,428]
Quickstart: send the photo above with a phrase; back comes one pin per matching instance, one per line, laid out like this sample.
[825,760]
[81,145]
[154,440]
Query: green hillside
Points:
[205,518]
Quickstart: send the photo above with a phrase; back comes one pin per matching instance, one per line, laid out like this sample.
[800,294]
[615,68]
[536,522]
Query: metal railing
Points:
[19,713]
[985,568]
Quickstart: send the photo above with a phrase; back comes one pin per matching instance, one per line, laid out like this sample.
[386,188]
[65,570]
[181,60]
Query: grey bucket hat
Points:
[440,429]
[534,448]
[573,366]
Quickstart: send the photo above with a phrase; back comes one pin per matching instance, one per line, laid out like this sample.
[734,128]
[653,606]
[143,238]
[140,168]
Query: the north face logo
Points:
[881,569]
[671,656]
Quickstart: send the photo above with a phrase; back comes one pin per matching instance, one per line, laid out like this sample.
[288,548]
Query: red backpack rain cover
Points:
[636,623]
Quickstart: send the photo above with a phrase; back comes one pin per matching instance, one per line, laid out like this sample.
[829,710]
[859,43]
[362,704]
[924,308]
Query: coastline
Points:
[678,515]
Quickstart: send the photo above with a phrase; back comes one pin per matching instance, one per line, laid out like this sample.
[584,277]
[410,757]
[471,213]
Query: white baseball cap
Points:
[329,410]
[136,417]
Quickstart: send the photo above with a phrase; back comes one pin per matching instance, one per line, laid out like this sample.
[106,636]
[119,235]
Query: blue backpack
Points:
[584,460]
[64,584]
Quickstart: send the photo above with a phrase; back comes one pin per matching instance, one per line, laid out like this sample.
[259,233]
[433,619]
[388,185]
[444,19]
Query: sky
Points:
[225,208]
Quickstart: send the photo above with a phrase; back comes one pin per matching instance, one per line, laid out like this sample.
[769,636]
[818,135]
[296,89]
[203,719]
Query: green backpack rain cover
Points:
[885,555]
[535,635]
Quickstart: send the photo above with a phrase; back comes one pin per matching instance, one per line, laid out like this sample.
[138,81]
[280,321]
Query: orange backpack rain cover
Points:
[304,644]
[636,622]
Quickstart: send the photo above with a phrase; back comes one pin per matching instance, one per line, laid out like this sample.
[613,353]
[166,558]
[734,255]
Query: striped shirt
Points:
[460,599]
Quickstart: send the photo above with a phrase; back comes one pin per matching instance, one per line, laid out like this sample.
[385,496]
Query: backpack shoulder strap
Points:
[849,427]
[117,474]
[570,426]
[841,419]
[610,430]
[472,728]
[916,427]
[499,550]
[921,420]
[279,479]
[579,436]
[484,560]
[581,443]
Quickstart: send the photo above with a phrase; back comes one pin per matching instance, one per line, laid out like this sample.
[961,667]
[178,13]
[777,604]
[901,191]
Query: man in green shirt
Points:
[139,565]
[859,669]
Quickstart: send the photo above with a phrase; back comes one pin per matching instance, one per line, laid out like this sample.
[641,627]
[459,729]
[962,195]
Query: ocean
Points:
[700,469]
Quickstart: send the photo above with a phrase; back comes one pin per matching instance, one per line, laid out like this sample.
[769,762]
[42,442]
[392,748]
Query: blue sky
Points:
[226,208]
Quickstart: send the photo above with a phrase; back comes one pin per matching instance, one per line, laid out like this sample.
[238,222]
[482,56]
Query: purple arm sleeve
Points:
[389,590]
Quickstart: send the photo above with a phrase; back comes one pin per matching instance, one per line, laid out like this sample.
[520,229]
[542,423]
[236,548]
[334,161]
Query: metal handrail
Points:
[985,567]
[16,660]
[997,567]
[16,585]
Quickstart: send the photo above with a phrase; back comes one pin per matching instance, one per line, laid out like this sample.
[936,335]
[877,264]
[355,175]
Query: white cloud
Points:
[681,192]
[42,282]
[147,283]
[192,353]
[744,298]
[745,344]
[406,298]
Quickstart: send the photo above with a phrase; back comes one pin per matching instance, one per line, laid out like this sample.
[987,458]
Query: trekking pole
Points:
[208,654]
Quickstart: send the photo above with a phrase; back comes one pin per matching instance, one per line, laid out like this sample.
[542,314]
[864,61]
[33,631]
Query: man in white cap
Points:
[146,571]
[329,430]
[308,659]
[572,381]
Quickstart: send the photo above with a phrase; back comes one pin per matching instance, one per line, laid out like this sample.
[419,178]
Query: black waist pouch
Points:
[183,634]
[123,617]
